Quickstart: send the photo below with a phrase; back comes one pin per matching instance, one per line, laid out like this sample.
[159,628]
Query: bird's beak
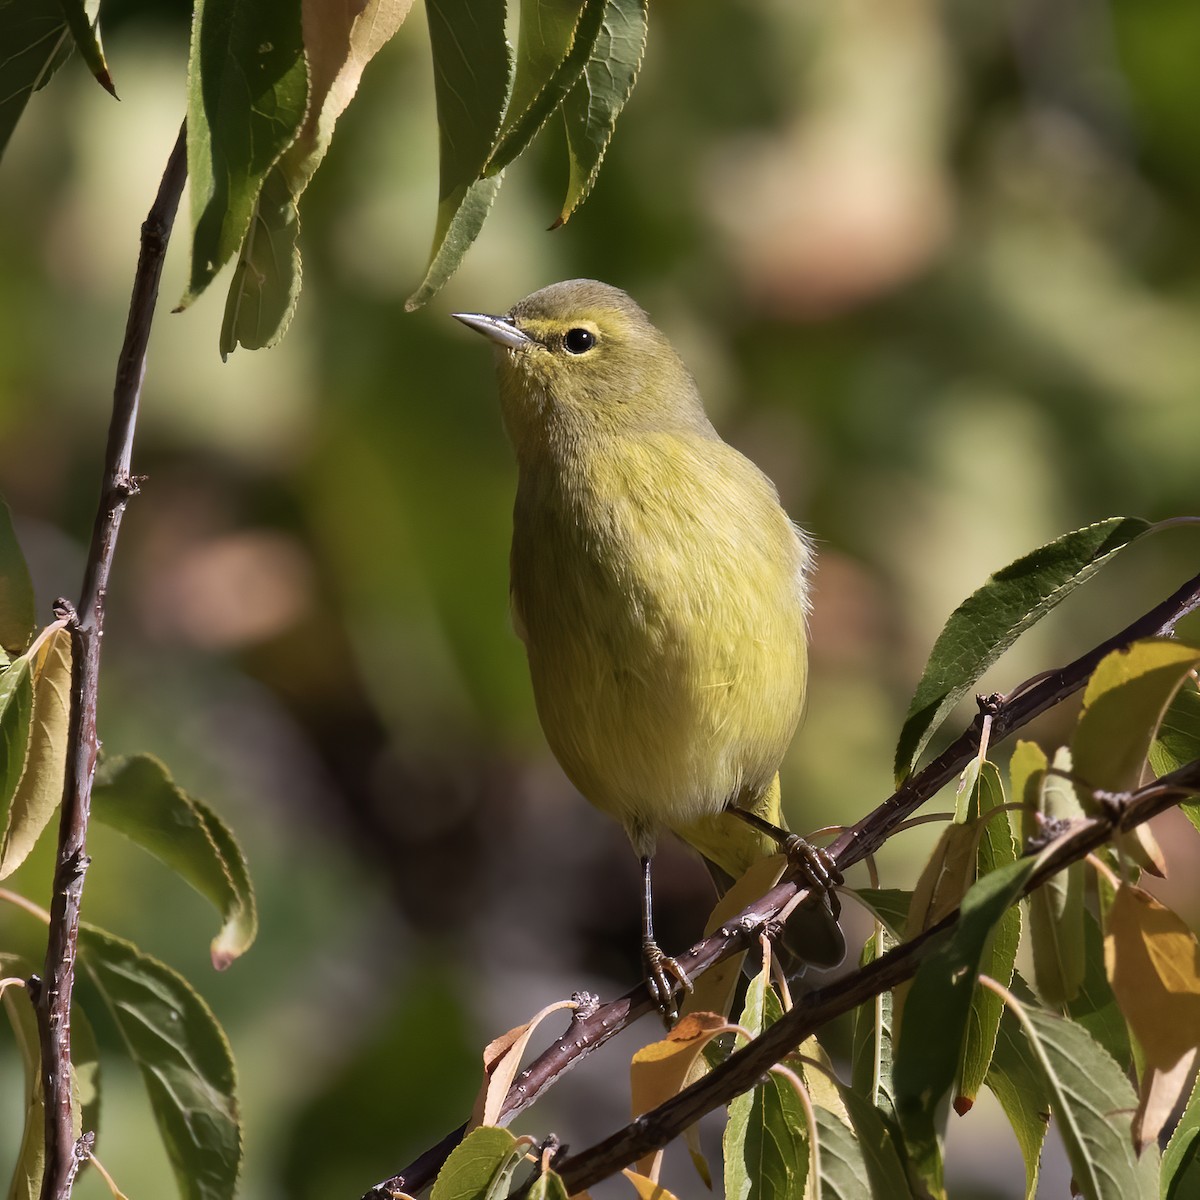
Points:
[499,329]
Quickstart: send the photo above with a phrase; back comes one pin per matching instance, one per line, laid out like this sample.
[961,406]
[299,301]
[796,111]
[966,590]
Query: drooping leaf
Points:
[1181,1158]
[991,619]
[878,1146]
[646,1189]
[945,878]
[83,22]
[339,41]
[1159,1092]
[1016,1080]
[247,89]
[480,1167]
[844,1173]
[137,797]
[1026,769]
[472,69]
[16,712]
[17,613]
[183,1057]
[1094,1005]
[36,42]
[871,1058]
[40,790]
[554,42]
[31,1158]
[591,108]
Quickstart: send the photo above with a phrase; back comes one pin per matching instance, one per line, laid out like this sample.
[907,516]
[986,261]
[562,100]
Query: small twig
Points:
[87,624]
[586,1034]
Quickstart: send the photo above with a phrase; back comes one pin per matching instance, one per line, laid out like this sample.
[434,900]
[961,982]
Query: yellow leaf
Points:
[647,1189]
[1161,1091]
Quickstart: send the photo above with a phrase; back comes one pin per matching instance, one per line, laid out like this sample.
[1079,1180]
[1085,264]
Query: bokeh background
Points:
[936,267]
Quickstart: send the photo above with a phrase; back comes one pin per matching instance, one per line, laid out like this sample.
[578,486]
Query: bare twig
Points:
[590,1030]
[63,1156]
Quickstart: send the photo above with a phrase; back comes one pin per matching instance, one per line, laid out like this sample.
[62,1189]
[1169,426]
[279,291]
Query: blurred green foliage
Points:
[935,267]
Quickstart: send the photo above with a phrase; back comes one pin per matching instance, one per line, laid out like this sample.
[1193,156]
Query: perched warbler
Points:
[660,590]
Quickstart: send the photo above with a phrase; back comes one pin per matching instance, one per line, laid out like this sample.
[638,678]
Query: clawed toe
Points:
[663,975]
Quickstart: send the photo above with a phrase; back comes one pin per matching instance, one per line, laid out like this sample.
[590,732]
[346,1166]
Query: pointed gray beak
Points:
[499,329]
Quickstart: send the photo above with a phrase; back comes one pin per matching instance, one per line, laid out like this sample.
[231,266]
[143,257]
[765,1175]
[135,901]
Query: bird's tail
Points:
[730,847]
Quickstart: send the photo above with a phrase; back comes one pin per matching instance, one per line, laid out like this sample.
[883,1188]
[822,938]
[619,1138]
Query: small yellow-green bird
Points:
[659,588]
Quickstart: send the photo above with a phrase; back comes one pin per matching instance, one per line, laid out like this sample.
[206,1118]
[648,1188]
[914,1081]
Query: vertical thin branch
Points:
[53,999]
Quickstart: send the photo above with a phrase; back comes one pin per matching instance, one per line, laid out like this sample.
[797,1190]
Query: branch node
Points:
[585,1003]
[64,610]
[990,705]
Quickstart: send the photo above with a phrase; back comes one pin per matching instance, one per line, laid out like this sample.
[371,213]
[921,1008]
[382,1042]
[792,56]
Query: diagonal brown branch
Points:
[592,1027]
[53,994]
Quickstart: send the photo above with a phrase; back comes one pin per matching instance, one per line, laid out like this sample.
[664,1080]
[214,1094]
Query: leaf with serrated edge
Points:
[992,618]
[247,93]
[472,68]
[480,1167]
[1181,1158]
[591,108]
[1178,738]
[16,714]
[1015,1079]
[40,791]
[339,41]
[871,1051]
[1094,1006]
[183,1057]
[82,20]
[17,612]
[36,43]
[137,797]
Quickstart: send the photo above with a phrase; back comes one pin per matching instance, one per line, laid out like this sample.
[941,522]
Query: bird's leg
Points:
[813,862]
[663,973]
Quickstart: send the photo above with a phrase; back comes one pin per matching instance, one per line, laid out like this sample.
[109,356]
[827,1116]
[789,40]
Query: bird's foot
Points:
[817,867]
[663,976]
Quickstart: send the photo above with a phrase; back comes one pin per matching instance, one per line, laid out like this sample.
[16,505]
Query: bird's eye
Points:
[579,341]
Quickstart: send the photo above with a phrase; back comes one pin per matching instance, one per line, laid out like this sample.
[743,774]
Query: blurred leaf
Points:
[16,711]
[1094,1103]
[1094,1005]
[936,1014]
[548,1186]
[591,108]
[17,612]
[36,42]
[945,878]
[83,22]
[1056,908]
[339,41]
[480,1167]
[647,1189]
[184,1059]
[554,42]
[85,1073]
[992,618]
[31,1158]
[247,89]
[40,791]
[472,69]
[996,850]
[137,797]
[1015,1078]
[1181,1158]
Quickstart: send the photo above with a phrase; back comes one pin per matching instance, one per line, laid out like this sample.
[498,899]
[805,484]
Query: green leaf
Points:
[996,850]
[1094,1006]
[83,22]
[339,41]
[85,1072]
[555,39]
[36,42]
[591,108]
[890,905]
[184,1059]
[247,88]
[40,790]
[1026,770]
[472,69]
[991,619]
[138,797]
[843,1171]
[871,1055]
[16,711]
[31,1158]
[17,613]
[1016,1080]
[936,1014]
[548,1186]
[1093,1103]
[480,1167]
[884,1169]
[1178,738]
[1181,1159]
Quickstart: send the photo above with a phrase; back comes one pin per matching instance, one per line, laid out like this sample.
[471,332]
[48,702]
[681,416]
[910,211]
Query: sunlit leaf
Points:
[591,108]
[991,619]
[647,1189]
[339,41]
[183,1057]
[1178,738]
[17,613]
[480,1167]
[16,712]
[138,797]
[871,1058]
[1181,1158]
[247,89]
[548,1186]
[40,791]
[844,1173]
[82,20]
[472,67]
[36,42]
[1016,1079]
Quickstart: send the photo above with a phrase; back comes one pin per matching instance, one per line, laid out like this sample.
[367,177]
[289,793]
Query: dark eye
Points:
[579,341]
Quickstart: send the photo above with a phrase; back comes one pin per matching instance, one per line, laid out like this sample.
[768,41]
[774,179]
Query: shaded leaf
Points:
[183,1057]
[1160,1091]
[31,1157]
[36,42]
[247,88]
[1016,1080]
[85,1072]
[480,1167]
[890,905]
[472,68]
[992,618]
[83,22]
[871,1050]
[40,790]
[1094,1006]
[884,1168]
[339,41]
[17,613]
[16,712]
[843,1171]
[1181,1158]
[945,878]
[137,797]
[548,1186]
[591,108]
